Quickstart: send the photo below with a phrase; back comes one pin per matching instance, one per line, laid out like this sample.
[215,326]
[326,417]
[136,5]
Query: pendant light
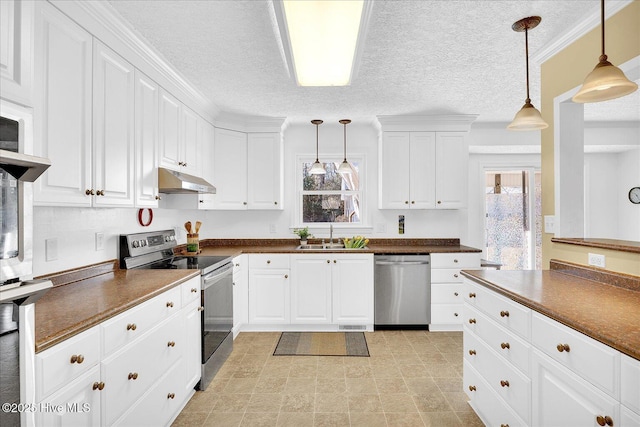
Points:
[345,167]
[528,118]
[317,168]
[606,81]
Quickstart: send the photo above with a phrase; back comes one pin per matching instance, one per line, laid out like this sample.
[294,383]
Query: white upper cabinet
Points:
[451,170]
[264,161]
[16,56]
[62,108]
[230,169]
[113,128]
[247,170]
[423,170]
[146,141]
[178,135]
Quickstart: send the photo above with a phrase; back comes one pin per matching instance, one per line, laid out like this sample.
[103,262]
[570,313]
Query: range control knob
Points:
[143,242]
[135,243]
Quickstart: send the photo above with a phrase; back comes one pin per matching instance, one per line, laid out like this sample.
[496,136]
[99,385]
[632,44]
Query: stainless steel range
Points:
[154,250]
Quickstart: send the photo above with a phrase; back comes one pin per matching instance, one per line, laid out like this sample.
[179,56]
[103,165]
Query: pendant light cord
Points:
[345,141]
[526,48]
[317,127]
[603,57]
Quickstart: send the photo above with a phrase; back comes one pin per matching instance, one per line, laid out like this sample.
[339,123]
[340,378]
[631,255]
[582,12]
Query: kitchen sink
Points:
[326,247]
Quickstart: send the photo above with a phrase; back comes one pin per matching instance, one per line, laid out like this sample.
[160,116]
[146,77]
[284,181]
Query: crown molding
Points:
[449,122]
[244,123]
[575,32]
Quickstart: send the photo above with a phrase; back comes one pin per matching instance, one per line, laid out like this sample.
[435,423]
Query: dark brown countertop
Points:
[234,247]
[75,307]
[604,312]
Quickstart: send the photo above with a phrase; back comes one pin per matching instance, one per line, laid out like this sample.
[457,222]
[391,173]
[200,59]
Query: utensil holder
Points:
[193,244]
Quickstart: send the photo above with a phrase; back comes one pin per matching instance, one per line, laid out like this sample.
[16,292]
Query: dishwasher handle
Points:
[402,262]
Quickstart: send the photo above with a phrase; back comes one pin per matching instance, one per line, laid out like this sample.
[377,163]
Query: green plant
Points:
[302,232]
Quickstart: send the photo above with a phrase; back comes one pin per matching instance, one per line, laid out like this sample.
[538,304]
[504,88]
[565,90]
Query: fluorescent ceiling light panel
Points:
[322,38]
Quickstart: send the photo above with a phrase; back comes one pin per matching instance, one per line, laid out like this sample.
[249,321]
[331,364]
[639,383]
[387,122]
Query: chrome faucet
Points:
[331,234]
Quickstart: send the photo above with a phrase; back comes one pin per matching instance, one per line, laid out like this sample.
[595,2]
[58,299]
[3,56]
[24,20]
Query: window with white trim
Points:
[332,197]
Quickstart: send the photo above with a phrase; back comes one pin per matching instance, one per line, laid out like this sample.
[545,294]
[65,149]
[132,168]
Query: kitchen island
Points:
[553,347]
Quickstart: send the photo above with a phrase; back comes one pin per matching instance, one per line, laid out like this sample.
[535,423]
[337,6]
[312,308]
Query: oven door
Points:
[217,316]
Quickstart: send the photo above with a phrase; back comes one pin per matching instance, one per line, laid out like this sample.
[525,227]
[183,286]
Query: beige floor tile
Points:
[391,385]
[399,419]
[407,358]
[449,383]
[224,419]
[334,360]
[300,386]
[361,386]
[201,402]
[358,371]
[364,403]
[257,419]
[304,371]
[432,402]
[270,385]
[457,400]
[421,385]
[330,420]
[440,419]
[414,371]
[190,419]
[329,402]
[331,371]
[331,385]
[469,419]
[240,385]
[295,419]
[247,372]
[385,371]
[364,419]
[231,403]
[397,402]
[264,402]
[276,370]
[298,403]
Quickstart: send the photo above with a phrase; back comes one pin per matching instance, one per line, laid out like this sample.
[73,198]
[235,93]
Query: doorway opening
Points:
[513,218]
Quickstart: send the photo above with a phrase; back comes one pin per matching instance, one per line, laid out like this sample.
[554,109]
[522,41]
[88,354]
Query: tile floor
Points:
[413,378]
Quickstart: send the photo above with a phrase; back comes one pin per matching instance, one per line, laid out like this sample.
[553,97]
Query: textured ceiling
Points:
[420,57]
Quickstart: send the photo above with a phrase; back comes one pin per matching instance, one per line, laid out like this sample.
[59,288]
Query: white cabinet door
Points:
[113,128]
[206,135]
[63,84]
[311,288]
[192,351]
[394,170]
[451,165]
[422,175]
[561,398]
[352,283]
[230,169]
[269,296]
[169,131]
[79,399]
[240,293]
[146,140]
[16,76]
[190,148]
[264,151]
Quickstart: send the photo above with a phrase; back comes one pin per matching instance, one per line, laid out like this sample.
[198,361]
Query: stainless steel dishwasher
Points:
[402,286]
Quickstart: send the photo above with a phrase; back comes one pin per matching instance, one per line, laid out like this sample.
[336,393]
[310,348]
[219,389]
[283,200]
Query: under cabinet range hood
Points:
[23,167]
[178,182]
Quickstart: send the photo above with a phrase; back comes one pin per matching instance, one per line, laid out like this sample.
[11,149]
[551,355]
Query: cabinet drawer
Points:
[62,363]
[130,373]
[509,346]
[446,314]
[591,360]
[506,381]
[492,410]
[133,323]
[505,312]
[160,404]
[446,275]
[456,260]
[190,291]
[630,382]
[268,261]
[446,293]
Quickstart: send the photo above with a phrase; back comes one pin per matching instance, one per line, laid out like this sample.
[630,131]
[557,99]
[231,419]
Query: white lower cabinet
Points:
[97,378]
[240,293]
[562,398]
[325,290]
[544,372]
[446,288]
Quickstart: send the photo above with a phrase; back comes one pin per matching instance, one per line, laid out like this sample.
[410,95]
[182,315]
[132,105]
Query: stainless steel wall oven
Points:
[154,250]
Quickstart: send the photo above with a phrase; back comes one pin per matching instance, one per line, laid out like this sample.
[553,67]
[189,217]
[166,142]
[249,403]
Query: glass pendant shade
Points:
[528,118]
[317,168]
[345,167]
[605,82]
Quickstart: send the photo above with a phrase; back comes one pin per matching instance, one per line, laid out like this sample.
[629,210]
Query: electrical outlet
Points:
[272,228]
[381,228]
[99,241]
[596,260]
[51,249]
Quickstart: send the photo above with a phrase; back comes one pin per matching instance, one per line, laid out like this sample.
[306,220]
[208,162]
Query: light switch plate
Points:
[99,241]
[549,224]
[51,249]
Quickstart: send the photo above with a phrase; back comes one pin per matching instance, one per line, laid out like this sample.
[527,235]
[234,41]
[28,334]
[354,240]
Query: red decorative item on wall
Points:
[141,218]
